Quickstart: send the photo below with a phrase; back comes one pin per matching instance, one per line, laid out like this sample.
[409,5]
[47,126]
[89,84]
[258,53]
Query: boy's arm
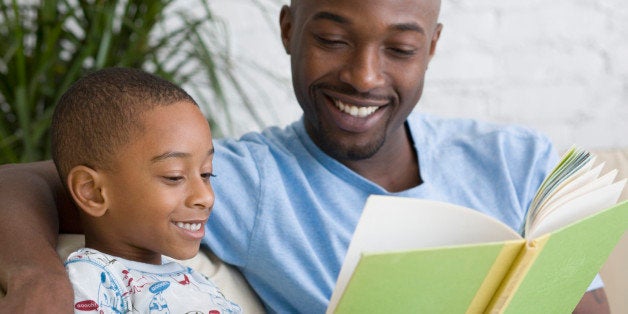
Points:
[31,273]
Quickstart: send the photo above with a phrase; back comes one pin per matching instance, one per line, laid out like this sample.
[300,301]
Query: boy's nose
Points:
[202,195]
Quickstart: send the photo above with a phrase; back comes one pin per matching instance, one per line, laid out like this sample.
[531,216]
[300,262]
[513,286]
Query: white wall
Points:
[558,66]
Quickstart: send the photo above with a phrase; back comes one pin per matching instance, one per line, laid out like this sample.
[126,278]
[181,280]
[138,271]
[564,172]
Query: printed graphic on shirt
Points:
[106,284]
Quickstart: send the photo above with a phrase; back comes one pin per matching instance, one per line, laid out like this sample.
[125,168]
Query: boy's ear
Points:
[85,185]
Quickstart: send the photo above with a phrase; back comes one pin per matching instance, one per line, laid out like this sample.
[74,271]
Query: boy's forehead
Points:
[175,127]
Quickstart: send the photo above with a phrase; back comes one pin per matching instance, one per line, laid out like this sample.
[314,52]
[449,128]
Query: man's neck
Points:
[395,167]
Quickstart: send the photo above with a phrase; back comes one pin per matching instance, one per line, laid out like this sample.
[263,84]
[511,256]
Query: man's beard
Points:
[340,151]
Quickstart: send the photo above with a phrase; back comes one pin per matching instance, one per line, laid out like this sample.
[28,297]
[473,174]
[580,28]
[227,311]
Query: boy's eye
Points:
[173,179]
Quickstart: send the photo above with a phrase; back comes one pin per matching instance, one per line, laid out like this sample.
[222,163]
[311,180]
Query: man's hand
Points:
[593,302]
[38,291]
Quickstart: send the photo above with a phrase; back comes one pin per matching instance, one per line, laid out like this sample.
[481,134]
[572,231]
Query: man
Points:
[288,199]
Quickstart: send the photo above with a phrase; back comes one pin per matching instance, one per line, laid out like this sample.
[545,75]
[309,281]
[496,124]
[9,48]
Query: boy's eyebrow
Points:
[176,154]
[410,26]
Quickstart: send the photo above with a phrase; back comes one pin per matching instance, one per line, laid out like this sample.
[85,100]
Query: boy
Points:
[135,152]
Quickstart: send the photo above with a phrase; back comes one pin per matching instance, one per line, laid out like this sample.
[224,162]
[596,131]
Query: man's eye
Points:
[403,52]
[207,175]
[330,42]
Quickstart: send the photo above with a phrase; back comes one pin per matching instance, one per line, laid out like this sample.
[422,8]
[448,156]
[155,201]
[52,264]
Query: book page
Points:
[573,187]
[579,208]
[573,164]
[585,188]
[573,190]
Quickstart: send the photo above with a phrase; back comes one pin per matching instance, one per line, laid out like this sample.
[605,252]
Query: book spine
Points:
[516,274]
[500,268]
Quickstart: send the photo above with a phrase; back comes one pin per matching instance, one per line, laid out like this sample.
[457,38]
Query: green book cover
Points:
[467,278]
[568,262]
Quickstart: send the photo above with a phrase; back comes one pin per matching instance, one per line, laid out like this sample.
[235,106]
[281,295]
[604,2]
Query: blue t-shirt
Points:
[285,211]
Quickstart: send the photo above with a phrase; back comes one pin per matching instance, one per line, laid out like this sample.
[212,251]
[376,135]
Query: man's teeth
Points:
[189,226]
[355,111]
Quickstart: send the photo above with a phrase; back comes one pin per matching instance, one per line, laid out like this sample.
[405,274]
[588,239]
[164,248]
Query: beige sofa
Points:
[614,272]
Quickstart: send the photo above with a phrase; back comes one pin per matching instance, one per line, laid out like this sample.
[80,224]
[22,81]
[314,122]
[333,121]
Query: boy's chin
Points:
[188,254]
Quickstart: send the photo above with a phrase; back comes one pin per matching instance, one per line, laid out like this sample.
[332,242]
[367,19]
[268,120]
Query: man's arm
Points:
[31,273]
[593,301]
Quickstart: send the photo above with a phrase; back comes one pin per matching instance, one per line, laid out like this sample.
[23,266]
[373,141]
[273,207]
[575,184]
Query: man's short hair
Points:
[101,112]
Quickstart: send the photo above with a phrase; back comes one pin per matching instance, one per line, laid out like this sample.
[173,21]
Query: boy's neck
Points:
[114,248]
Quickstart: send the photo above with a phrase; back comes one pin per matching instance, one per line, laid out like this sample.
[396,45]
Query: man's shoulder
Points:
[273,135]
[273,140]
[447,130]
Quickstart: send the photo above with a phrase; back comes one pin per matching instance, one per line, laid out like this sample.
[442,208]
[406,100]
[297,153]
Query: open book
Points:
[411,255]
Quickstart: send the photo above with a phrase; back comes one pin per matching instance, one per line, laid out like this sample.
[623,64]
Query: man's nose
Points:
[364,69]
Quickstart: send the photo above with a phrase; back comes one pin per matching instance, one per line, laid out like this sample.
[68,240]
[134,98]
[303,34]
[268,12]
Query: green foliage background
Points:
[47,45]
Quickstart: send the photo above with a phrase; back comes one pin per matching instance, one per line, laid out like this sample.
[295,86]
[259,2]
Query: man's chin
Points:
[352,152]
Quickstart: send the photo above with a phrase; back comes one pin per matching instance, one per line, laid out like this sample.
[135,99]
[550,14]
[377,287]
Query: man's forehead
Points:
[435,3]
[307,7]
[402,12]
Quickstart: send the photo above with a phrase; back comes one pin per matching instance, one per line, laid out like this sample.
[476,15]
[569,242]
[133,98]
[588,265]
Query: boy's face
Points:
[158,192]
[358,68]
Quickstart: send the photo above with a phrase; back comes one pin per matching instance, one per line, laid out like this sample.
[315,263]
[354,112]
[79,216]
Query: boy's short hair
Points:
[100,113]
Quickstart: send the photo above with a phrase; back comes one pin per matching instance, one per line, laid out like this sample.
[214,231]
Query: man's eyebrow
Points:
[409,27]
[330,16]
[323,15]
[175,154]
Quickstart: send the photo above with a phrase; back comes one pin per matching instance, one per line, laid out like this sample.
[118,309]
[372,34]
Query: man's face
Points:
[358,68]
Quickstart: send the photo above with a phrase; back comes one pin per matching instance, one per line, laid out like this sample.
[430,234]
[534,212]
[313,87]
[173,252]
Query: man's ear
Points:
[285,25]
[435,37]
[85,185]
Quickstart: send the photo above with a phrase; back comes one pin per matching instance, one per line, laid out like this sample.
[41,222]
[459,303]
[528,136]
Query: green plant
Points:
[46,46]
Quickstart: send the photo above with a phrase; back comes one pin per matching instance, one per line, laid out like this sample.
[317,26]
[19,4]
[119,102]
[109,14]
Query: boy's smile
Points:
[158,191]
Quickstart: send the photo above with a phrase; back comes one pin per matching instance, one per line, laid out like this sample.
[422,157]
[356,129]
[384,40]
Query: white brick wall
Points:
[558,66]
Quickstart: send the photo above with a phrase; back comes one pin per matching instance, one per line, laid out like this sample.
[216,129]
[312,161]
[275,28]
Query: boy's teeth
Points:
[355,111]
[189,226]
